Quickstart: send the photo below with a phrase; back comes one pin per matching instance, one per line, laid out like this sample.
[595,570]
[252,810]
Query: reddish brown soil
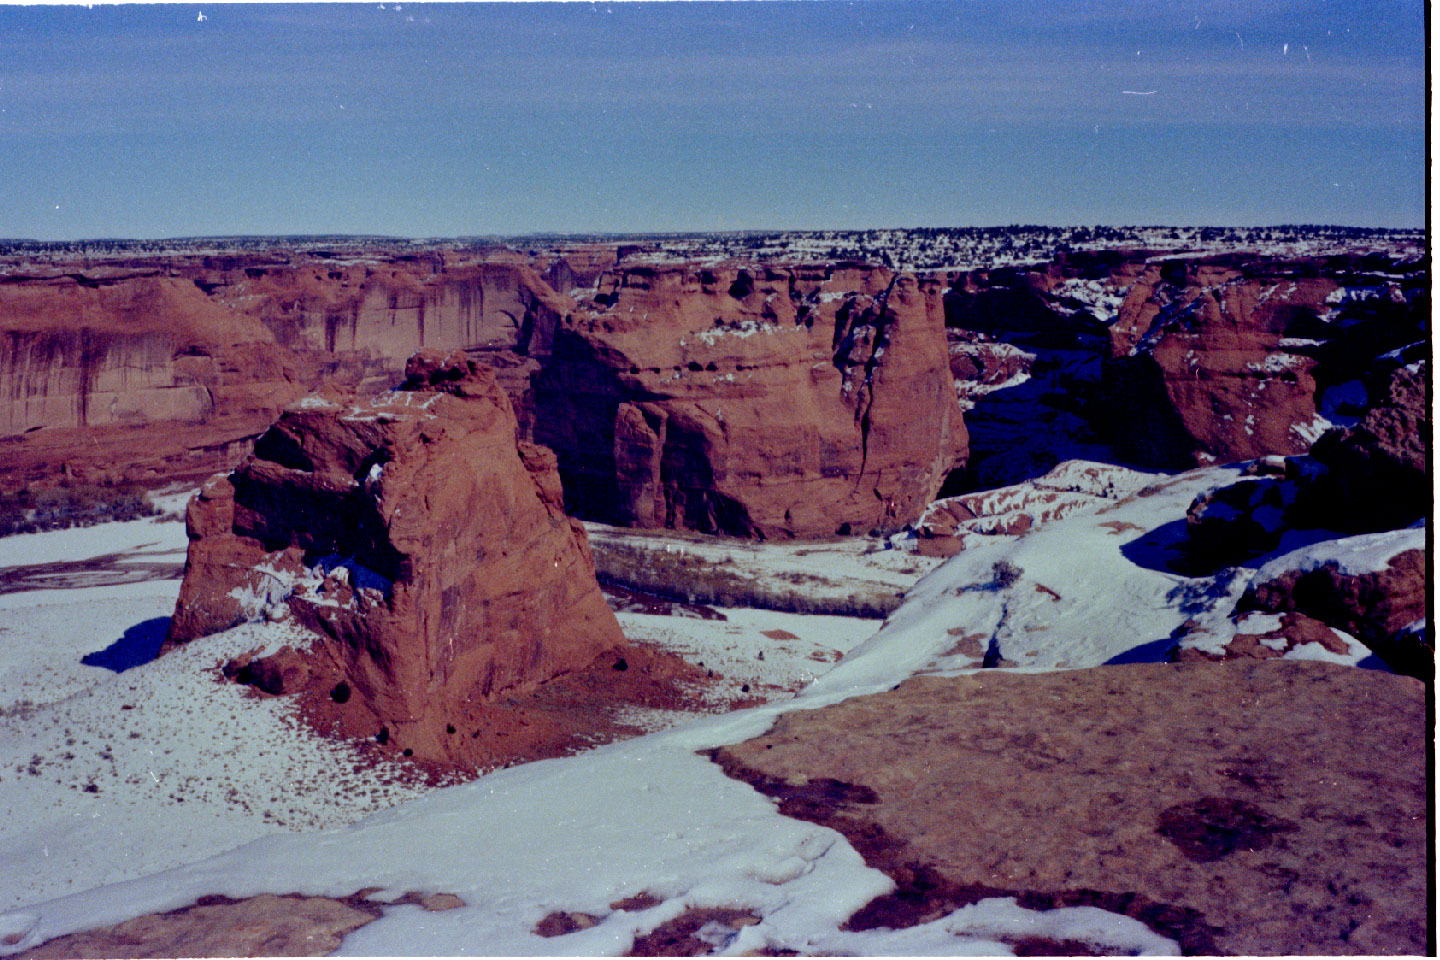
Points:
[573,712]
[677,938]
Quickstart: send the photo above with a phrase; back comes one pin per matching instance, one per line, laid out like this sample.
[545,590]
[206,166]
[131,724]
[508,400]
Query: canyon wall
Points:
[766,400]
[754,401]
[763,402]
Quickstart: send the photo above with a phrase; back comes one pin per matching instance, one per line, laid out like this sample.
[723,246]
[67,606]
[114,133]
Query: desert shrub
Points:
[19,709]
[56,508]
[688,578]
[1003,575]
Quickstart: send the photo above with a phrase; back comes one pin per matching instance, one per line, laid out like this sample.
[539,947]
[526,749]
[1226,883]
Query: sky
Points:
[441,120]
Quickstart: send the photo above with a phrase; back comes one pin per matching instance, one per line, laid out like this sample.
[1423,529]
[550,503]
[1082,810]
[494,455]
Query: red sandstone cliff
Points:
[752,401]
[429,552]
[1221,359]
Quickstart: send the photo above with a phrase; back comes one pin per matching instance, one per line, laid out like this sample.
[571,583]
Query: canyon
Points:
[746,538]
[778,398]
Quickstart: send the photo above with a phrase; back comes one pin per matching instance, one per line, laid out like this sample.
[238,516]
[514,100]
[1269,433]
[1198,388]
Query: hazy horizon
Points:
[602,236]
[442,121]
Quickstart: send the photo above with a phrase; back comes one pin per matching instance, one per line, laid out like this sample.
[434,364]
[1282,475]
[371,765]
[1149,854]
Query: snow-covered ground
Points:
[200,789]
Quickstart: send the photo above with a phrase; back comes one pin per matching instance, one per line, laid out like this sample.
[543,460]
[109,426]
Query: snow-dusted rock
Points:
[1377,472]
[409,531]
[1072,487]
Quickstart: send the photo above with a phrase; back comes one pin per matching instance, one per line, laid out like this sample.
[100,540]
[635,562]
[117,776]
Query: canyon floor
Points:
[813,797]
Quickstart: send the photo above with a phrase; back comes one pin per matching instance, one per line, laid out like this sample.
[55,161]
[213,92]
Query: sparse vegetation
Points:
[688,578]
[31,511]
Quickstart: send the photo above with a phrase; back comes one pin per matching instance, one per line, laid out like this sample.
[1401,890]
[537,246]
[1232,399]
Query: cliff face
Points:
[755,401]
[430,553]
[765,402]
[770,401]
[83,351]
[1228,359]
[156,372]
[385,311]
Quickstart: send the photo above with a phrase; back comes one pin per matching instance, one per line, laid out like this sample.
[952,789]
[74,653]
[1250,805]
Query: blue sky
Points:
[459,119]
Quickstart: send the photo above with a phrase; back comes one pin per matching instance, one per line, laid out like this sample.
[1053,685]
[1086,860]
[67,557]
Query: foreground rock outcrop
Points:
[287,925]
[1243,808]
[1367,479]
[410,532]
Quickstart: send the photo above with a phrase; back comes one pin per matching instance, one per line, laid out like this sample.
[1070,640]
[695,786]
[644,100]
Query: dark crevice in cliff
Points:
[865,396]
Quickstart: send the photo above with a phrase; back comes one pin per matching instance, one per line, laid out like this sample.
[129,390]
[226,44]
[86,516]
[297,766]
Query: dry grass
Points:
[31,511]
[688,578]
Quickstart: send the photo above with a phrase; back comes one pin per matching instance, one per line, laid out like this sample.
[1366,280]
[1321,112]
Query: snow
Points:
[1107,605]
[739,649]
[1216,621]
[821,570]
[654,815]
[145,770]
[1313,429]
[742,330]
[1278,362]
[1352,556]
[1398,353]
[162,537]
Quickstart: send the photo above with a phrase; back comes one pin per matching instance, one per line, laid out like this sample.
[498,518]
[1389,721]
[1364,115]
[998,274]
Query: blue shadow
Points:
[1160,549]
[139,644]
[1156,651]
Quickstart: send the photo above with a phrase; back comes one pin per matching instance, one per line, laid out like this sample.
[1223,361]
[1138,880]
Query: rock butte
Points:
[428,551]
[1221,360]
[763,402]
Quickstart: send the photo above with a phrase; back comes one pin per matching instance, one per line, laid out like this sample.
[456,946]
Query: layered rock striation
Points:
[758,402]
[428,550]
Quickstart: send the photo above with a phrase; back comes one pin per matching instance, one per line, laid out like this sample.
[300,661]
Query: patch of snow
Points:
[1352,556]
[1278,363]
[1311,431]
[157,537]
[742,330]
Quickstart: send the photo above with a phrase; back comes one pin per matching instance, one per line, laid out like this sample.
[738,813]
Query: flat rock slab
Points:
[268,925]
[1272,807]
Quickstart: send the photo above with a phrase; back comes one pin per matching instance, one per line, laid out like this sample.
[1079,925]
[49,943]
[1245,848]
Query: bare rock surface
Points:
[1197,367]
[762,402]
[1227,358]
[268,925]
[1377,472]
[413,535]
[1247,807]
[1378,606]
[130,374]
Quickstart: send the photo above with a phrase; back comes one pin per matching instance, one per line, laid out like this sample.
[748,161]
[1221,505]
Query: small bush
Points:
[687,578]
[1003,575]
[33,511]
